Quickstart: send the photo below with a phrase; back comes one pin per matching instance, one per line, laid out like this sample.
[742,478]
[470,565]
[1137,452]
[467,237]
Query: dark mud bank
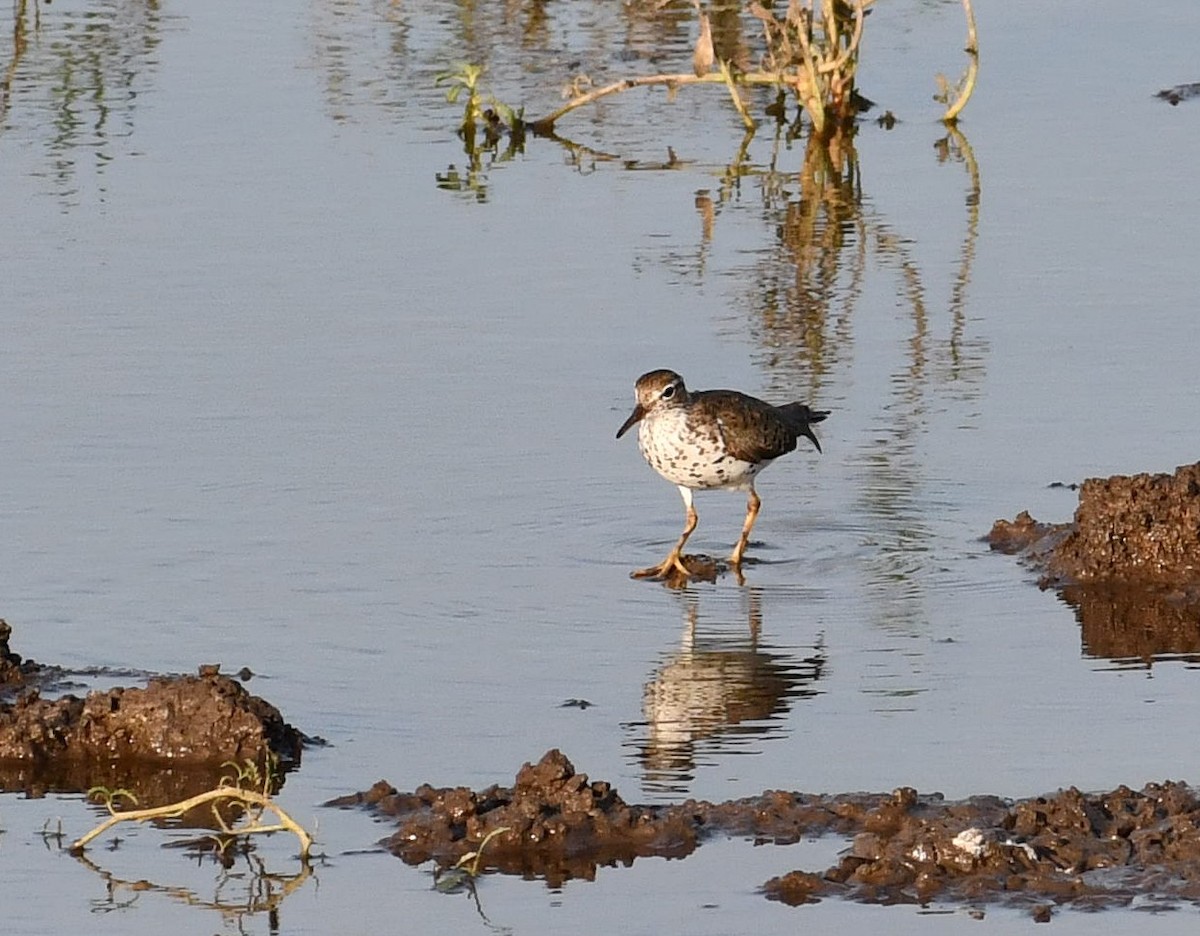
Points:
[1129,562]
[1090,850]
[161,741]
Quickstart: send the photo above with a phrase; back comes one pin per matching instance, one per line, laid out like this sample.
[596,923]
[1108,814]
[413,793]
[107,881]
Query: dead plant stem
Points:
[546,124]
[968,84]
[174,810]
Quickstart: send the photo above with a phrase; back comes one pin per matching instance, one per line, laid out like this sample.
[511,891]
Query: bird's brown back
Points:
[754,430]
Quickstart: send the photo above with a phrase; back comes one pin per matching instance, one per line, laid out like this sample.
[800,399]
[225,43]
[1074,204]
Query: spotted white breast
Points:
[691,452]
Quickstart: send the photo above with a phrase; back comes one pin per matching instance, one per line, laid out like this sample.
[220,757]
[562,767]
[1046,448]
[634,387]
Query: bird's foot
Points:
[671,567]
[678,571]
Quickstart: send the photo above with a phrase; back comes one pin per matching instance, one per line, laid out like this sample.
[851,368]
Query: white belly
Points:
[691,457]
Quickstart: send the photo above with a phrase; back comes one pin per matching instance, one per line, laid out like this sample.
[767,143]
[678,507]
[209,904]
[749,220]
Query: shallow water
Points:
[276,397]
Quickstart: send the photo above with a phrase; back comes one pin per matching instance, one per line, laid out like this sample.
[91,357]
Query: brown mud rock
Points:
[14,671]
[1091,850]
[1129,563]
[560,824]
[181,721]
[1064,847]
[1142,529]
[1023,533]
[796,888]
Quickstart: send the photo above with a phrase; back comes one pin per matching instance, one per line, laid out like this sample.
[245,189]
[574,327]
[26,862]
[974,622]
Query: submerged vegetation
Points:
[480,110]
[808,53]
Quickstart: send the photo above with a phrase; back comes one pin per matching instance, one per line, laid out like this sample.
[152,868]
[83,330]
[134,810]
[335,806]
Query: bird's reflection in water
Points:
[719,693]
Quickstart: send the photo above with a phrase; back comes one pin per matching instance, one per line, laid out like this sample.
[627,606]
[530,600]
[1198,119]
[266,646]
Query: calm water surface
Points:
[289,383]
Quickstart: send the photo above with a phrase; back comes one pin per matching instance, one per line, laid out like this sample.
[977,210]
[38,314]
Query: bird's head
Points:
[655,390]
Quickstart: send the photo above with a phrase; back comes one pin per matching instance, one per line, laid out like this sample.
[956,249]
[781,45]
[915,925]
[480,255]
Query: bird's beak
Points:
[635,416]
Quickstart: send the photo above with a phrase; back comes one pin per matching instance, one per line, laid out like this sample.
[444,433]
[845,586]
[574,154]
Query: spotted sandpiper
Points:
[711,439]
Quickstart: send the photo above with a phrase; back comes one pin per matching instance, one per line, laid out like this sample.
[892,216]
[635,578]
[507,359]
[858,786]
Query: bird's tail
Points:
[802,418]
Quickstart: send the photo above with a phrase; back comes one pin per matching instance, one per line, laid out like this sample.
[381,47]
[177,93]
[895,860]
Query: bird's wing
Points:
[753,430]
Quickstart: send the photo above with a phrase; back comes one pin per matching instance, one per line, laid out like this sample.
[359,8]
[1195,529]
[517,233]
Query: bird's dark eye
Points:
[668,392]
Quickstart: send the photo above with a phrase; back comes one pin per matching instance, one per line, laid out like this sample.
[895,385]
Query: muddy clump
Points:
[1088,850]
[175,719]
[563,826]
[1141,529]
[1144,529]
[176,732]
[15,671]
[1128,564]
[560,825]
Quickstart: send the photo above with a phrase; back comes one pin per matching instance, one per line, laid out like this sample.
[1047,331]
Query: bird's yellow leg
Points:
[674,558]
[752,505]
